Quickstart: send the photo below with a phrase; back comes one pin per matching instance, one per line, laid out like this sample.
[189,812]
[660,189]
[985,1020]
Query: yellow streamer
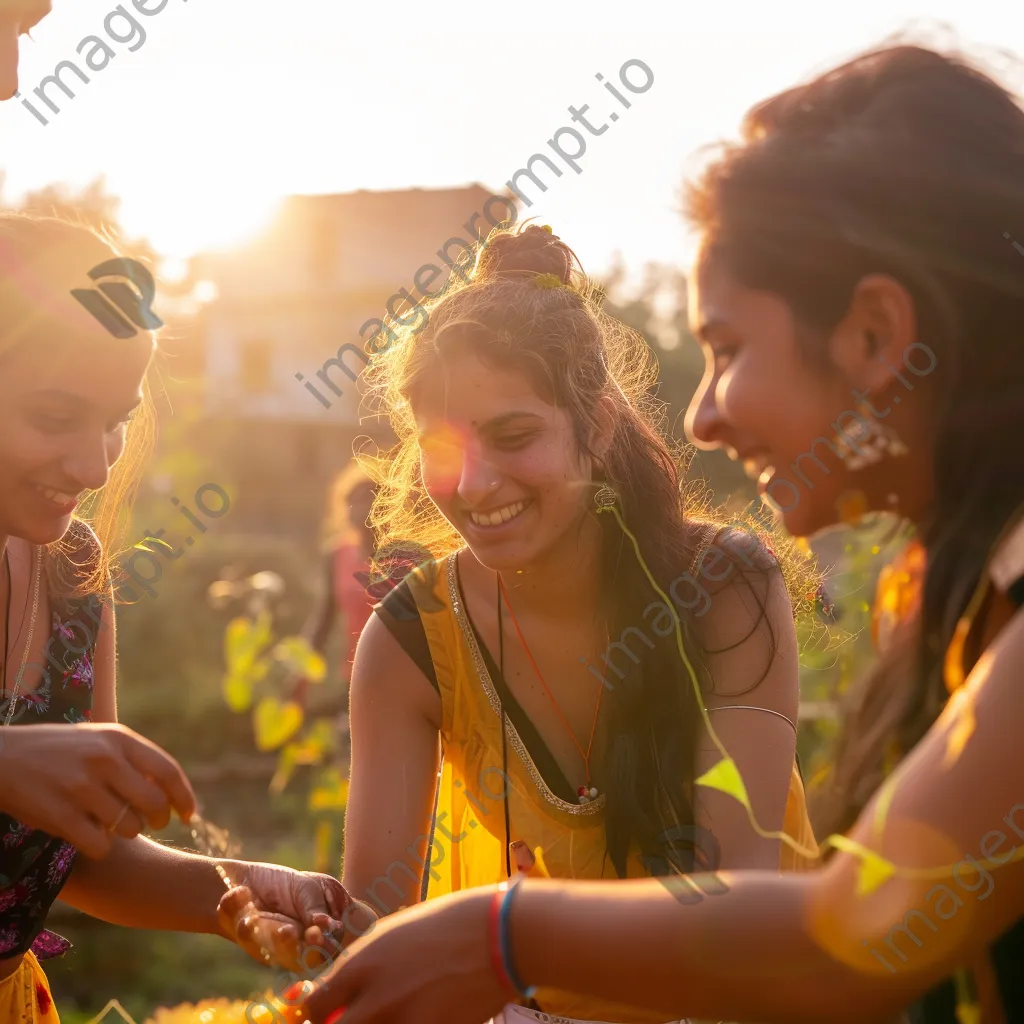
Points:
[874,871]
[726,777]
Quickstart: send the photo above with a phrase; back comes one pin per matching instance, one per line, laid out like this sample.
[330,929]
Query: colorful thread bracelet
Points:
[494,941]
[505,943]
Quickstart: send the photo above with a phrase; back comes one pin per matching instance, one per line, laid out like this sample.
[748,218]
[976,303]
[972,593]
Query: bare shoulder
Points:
[748,630]
[385,678]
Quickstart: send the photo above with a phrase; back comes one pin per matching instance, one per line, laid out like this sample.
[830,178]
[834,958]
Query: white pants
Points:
[513,1014]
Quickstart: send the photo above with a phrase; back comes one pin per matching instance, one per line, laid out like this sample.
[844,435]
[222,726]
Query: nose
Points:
[479,477]
[8,56]
[88,465]
[704,423]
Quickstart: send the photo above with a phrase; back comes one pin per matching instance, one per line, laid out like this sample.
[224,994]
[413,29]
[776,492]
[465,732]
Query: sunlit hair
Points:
[907,162]
[41,260]
[527,306]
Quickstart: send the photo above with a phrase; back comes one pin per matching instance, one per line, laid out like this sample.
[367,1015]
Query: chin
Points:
[41,531]
[808,518]
[507,557]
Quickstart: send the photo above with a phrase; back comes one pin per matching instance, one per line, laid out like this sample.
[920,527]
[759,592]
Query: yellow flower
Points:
[228,1011]
[547,281]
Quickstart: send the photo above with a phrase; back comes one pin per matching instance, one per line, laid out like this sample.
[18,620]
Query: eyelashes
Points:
[515,441]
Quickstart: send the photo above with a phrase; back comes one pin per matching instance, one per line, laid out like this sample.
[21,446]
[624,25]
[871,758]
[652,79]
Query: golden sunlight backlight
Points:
[198,221]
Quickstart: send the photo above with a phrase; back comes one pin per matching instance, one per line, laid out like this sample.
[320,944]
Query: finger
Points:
[158,765]
[113,814]
[88,838]
[338,898]
[269,938]
[235,901]
[145,796]
[73,824]
[339,988]
[265,936]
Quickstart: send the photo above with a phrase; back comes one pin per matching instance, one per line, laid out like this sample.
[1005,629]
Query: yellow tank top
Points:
[469,836]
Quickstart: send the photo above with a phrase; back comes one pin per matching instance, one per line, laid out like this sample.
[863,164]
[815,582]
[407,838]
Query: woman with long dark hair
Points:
[859,296]
[535,648]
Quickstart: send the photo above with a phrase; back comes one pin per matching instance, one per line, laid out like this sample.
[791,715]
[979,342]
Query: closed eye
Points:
[512,442]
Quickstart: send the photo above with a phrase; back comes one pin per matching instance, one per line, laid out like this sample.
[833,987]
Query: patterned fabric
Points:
[34,865]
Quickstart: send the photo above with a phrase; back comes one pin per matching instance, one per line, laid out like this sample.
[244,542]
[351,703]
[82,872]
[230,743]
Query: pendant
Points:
[586,794]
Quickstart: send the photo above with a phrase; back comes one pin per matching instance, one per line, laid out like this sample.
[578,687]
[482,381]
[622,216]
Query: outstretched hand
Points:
[274,911]
[429,964]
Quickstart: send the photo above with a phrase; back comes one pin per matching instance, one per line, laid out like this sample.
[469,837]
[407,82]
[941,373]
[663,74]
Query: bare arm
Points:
[753,660]
[143,884]
[772,948]
[395,720]
[808,948]
[119,887]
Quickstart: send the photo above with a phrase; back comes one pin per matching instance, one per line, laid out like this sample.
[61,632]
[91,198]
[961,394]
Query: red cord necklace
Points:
[584,793]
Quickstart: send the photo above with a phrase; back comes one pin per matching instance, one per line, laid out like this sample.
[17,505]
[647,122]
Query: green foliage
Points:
[268,678]
[832,664]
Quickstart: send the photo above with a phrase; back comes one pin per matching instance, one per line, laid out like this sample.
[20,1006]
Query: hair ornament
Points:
[548,281]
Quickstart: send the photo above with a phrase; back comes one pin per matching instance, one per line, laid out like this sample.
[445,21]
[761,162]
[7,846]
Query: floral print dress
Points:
[34,865]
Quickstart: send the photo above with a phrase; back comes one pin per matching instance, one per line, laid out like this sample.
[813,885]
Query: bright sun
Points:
[197,222]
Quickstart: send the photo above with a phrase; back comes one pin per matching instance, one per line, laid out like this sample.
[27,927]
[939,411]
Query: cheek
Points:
[746,397]
[23,447]
[551,462]
[441,456]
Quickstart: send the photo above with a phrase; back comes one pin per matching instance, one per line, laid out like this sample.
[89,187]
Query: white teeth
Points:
[501,515]
[58,496]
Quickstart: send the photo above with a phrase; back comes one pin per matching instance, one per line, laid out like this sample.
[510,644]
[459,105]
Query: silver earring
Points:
[867,442]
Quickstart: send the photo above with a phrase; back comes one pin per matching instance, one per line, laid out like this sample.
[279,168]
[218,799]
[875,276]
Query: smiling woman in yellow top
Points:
[535,648]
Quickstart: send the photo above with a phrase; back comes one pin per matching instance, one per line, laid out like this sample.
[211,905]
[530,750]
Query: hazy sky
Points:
[230,104]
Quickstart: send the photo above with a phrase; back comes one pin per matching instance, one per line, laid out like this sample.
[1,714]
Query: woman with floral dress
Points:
[76,789]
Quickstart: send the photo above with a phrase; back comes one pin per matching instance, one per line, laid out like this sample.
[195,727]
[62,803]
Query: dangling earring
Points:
[868,442]
[605,499]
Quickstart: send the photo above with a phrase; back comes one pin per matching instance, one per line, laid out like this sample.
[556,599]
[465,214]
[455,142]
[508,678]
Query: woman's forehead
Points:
[463,387]
[95,371]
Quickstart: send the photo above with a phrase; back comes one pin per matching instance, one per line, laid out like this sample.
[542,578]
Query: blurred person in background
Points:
[344,602]
[76,788]
[17,18]
[859,298]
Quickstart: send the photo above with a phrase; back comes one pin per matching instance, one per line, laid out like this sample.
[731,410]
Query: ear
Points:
[880,325]
[604,427]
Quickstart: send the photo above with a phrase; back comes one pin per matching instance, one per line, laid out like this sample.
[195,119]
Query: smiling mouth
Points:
[57,497]
[501,515]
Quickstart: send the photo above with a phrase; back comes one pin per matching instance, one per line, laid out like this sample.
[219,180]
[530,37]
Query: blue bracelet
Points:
[505,940]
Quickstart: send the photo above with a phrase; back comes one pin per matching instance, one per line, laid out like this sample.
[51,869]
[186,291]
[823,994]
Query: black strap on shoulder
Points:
[399,613]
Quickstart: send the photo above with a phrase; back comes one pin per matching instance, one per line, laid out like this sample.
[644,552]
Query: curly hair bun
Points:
[532,250]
